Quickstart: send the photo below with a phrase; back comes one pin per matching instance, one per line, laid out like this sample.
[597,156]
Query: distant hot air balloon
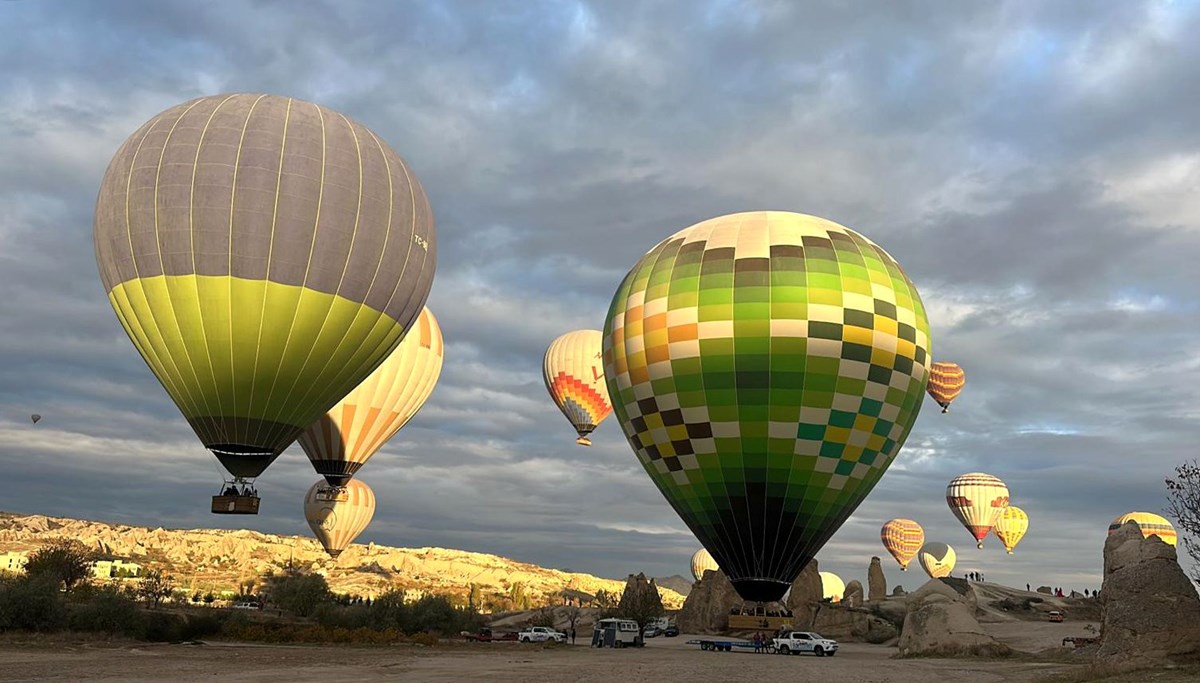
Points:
[766,368]
[937,559]
[263,254]
[574,373]
[832,587]
[1011,527]
[702,562]
[36,418]
[1150,524]
[946,381]
[977,499]
[338,514]
[343,439]
[902,538]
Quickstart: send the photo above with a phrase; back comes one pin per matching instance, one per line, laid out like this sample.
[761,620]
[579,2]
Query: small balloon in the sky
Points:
[1011,527]
[937,559]
[35,418]
[977,499]
[946,381]
[573,370]
[902,538]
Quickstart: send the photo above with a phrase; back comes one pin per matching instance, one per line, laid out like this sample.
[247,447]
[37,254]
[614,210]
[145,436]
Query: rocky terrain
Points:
[219,560]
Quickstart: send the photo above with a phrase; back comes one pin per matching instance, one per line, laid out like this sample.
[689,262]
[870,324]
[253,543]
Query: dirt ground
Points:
[663,659]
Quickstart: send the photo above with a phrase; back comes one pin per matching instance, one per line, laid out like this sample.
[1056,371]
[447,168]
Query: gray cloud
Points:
[1032,167]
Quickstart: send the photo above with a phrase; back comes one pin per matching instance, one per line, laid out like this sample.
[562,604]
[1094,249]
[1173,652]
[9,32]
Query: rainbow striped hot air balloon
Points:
[338,514]
[946,381]
[1150,524]
[343,439]
[977,500]
[573,369]
[902,538]
[1011,527]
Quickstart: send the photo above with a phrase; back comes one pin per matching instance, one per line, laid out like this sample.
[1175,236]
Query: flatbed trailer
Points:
[724,645]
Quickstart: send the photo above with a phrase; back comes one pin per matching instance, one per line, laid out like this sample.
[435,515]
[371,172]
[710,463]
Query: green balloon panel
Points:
[766,368]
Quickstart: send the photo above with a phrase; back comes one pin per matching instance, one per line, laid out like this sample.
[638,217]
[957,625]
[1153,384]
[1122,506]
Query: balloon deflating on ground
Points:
[766,368]
[264,254]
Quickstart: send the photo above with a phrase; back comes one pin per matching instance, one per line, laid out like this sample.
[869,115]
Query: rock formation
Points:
[1149,607]
[640,598]
[941,621]
[876,581]
[853,595]
[805,596]
[898,591]
[706,609]
[1047,590]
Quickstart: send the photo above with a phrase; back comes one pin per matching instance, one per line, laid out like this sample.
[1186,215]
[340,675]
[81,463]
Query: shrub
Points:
[31,603]
[64,559]
[108,611]
[298,593]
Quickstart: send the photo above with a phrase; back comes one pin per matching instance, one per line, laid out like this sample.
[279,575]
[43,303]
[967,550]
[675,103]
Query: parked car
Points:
[1055,615]
[795,642]
[247,605]
[671,631]
[540,634]
[651,631]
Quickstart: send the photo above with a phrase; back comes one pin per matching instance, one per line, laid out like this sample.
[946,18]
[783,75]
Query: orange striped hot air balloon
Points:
[902,538]
[1011,527]
[977,500]
[343,439]
[338,514]
[1150,524]
[574,372]
[946,381]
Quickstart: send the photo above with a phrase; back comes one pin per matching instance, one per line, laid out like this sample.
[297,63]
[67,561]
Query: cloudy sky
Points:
[1034,169]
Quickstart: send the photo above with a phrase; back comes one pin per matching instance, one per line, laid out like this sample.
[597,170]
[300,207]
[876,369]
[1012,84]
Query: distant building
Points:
[13,561]
[115,569]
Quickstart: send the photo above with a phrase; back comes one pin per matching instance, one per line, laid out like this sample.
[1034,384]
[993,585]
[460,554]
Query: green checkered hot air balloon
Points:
[264,254]
[766,368]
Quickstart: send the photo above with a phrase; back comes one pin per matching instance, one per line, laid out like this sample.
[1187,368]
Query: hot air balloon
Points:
[338,514]
[937,559]
[902,538]
[702,562]
[574,373]
[35,418]
[946,381]
[766,368]
[343,439]
[832,587]
[1150,524]
[977,499]
[263,254]
[1011,527]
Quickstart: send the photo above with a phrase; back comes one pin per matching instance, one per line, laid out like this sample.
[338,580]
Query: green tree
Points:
[605,600]
[640,601]
[298,593]
[155,587]
[475,598]
[63,559]
[543,617]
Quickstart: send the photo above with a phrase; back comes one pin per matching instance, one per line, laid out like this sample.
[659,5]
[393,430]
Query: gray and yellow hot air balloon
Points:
[343,439]
[937,559]
[338,514]
[264,254]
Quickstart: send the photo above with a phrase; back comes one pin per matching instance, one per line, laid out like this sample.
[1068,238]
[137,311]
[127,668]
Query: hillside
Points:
[220,559]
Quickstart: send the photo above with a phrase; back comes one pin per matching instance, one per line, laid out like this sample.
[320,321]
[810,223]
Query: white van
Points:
[617,633]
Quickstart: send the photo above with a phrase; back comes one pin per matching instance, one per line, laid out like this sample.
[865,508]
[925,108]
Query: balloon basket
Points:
[333,494]
[235,505]
[583,441]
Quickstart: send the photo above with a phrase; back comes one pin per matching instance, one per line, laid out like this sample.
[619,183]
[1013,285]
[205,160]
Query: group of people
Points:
[1059,593]
[761,642]
[975,576]
[246,490]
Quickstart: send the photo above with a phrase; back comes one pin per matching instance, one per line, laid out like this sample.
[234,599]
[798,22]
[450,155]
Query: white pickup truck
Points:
[540,634]
[795,642]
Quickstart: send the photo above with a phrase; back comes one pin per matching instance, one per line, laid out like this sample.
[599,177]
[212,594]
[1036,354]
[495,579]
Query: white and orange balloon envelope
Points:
[902,538]
[574,372]
[338,514]
[937,559]
[946,381]
[1150,524]
[977,499]
[1011,527]
[702,562]
[343,439]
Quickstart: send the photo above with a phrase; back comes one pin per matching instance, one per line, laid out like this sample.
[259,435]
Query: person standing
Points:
[572,635]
